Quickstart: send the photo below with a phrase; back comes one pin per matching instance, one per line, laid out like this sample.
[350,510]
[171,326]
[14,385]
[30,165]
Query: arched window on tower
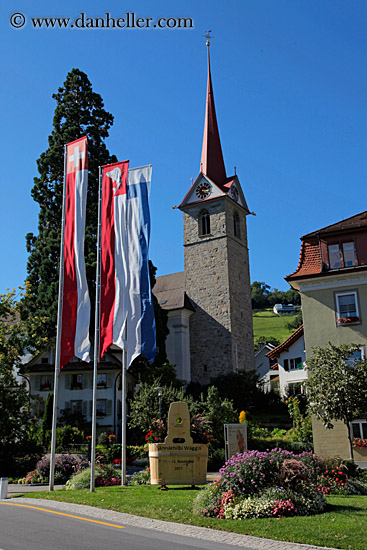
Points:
[204,223]
[236,225]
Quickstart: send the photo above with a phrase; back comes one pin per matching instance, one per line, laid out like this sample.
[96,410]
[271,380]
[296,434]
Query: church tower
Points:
[216,260]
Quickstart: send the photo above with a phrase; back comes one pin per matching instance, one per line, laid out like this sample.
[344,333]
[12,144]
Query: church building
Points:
[209,303]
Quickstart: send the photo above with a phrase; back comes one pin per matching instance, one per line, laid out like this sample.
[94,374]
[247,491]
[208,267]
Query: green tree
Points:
[263,296]
[259,295]
[15,419]
[46,423]
[79,112]
[265,340]
[218,411]
[296,321]
[337,385]
[144,406]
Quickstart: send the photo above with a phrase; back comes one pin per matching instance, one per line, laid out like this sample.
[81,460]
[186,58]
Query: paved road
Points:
[26,528]
[23,526]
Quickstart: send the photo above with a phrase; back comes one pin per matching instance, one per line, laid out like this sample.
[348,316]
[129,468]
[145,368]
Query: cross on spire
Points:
[208,37]
[212,163]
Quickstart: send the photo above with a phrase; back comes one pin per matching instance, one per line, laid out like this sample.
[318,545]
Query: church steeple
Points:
[212,163]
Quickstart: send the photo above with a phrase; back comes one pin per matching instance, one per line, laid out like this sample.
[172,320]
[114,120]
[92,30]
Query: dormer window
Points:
[236,225]
[204,223]
[342,255]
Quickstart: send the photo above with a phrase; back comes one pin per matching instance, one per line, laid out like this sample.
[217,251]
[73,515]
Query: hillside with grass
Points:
[268,325]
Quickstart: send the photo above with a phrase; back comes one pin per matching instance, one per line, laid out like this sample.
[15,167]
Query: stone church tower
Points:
[216,261]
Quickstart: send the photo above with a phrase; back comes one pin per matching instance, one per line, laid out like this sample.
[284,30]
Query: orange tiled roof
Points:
[309,259]
[284,346]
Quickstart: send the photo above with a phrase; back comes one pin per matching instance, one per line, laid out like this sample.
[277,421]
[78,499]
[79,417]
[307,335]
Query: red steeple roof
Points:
[212,163]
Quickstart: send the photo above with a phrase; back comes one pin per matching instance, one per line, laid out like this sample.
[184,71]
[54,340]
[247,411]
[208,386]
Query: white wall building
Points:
[266,368]
[76,388]
[290,356]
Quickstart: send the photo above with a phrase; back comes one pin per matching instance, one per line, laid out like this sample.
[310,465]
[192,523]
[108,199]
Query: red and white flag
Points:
[75,296]
[114,269]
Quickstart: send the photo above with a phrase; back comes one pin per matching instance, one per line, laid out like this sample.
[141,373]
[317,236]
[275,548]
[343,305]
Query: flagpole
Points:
[96,338]
[58,332]
[123,413]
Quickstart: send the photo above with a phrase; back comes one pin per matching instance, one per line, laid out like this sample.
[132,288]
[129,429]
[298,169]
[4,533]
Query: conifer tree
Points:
[79,112]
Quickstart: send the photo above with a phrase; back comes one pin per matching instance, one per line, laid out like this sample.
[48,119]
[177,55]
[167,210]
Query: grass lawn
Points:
[343,525]
[267,323]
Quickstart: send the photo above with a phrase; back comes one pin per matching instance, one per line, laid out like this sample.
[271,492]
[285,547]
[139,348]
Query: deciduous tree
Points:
[14,399]
[337,385]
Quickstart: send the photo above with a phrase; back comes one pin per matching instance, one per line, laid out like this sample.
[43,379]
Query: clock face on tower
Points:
[234,193]
[203,190]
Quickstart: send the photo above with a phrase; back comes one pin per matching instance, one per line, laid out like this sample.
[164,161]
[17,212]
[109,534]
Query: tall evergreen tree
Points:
[79,112]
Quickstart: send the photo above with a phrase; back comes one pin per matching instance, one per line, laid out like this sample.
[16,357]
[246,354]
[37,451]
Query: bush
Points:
[105,476]
[207,502]
[265,444]
[140,478]
[103,439]
[67,438]
[113,452]
[216,460]
[65,467]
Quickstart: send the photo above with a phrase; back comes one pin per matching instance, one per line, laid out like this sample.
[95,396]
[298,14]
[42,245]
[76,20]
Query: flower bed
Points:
[274,483]
[65,467]
[106,476]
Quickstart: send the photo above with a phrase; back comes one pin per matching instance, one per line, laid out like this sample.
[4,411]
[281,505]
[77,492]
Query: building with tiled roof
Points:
[332,279]
[333,248]
[266,369]
[290,358]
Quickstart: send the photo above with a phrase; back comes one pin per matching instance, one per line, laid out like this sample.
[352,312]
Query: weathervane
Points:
[208,37]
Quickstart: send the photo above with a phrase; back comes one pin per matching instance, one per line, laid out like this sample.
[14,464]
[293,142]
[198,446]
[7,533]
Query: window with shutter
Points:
[101,380]
[286,364]
[36,382]
[67,381]
[76,406]
[46,382]
[76,381]
[101,407]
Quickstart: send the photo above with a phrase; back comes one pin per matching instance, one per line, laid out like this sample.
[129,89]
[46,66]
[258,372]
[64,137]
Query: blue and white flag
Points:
[141,333]
[126,305]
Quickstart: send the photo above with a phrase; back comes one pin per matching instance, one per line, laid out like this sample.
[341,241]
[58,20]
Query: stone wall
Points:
[240,290]
[217,282]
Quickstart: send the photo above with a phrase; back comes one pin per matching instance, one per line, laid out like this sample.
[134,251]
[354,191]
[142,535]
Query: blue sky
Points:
[290,85]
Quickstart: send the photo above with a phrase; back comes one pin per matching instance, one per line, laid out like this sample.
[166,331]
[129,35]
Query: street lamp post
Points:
[160,390]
